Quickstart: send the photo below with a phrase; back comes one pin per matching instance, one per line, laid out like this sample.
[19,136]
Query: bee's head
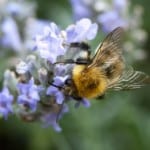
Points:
[70,89]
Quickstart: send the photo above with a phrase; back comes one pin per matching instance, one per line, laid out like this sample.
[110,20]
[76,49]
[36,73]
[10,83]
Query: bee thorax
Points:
[89,83]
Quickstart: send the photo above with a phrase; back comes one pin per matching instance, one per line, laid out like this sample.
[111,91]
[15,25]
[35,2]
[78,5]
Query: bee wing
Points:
[130,79]
[110,49]
[108,56]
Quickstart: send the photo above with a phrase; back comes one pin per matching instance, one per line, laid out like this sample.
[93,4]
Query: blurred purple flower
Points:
[54,91]
[120,5]
[50,119]
[108,15]
[28,94]
[80,9]
[81,31]
[14,8]
[60,70]
[11,37]
[35,27]
[110,20]
[20,8]
[6,100]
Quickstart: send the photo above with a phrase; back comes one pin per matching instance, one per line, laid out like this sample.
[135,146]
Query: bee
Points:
[92,77]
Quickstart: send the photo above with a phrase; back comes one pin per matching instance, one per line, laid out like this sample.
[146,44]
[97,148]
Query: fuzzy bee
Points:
[92,77]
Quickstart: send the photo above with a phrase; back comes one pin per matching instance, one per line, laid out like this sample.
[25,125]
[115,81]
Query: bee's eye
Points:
[68,81]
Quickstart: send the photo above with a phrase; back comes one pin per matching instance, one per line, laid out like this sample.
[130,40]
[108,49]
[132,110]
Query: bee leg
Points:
[101,97]
[79,61]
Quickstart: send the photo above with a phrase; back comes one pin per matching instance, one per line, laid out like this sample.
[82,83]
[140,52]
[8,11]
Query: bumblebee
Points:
[92,77]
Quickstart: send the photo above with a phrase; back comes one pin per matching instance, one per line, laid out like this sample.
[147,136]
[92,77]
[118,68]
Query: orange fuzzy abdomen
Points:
[89,83]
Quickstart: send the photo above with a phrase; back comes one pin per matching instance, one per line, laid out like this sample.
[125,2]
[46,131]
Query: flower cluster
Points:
[36,81]
[13,17]
[111,14]
[18,25]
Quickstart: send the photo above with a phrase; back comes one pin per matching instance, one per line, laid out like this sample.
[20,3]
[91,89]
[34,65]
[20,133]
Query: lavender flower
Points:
[28,95]
[114,17]
[60,70]
[120,5]
[49,45]
[84,102]
[13,33]
[6,100]
[82,31]
[33,27]
[56,92]
[50,120]
[47,101]
[21,9]
[11,37]
[14,8]
[106,15]
[80,9]
[111,20]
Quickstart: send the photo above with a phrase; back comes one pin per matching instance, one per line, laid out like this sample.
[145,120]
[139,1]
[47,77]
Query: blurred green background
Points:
[119,122]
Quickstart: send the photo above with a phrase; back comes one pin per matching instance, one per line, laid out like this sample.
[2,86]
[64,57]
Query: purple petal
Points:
[59,80]
[92,31]
[51,90]
[5,102]
[11,34]
[28,94]
[59,97]
[80,10]
[83,30]
[85,103]
[120,5]
[50,120]
[110,20]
